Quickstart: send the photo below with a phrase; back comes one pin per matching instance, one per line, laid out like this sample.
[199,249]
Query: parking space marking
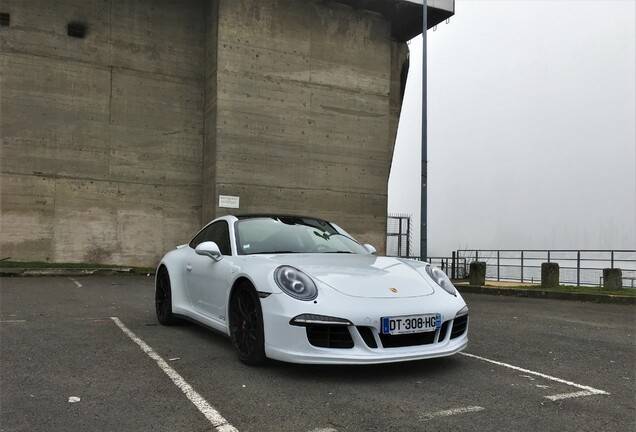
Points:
[570,395]
[79,285]
[586,390]
[213,416]
[12,321]
[451,412]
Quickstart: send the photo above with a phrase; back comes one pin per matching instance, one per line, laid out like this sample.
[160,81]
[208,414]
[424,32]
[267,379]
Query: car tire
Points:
[163,298]
[246,325]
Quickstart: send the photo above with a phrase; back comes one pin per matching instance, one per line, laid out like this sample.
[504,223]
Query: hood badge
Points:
[393,290]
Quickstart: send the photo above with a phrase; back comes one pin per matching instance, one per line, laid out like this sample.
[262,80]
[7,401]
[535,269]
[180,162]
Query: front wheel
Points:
[246,325]
[163,298]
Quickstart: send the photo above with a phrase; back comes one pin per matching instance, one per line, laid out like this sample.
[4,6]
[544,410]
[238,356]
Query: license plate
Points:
[411,324]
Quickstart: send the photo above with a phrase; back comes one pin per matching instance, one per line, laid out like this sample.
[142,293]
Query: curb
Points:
[33,272]
[554,295]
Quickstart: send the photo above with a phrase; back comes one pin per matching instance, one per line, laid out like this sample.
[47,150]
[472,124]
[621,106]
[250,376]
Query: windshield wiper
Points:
[325,235]
[339,252]
[271,252]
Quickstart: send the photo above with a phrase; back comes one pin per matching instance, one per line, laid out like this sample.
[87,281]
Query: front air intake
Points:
[329,336]
[460,324]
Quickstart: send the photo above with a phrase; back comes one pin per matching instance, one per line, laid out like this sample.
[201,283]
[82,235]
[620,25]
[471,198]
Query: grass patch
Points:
[630,292]
[78,266]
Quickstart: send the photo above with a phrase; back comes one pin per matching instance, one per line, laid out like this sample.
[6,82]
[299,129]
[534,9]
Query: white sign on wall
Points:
[227,201]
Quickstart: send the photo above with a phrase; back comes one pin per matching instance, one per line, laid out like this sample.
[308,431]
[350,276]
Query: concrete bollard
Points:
[477,274]
[612,278]
[549,274]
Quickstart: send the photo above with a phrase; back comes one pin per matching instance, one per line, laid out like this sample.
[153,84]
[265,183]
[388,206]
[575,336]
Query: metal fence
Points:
[455,267]
[576,267]
[398,235]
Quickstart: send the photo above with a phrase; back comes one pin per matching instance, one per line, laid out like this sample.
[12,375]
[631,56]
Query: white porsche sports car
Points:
[302,290]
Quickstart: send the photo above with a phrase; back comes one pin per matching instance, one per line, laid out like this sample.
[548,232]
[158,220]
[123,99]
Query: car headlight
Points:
[295,283]
[441,279]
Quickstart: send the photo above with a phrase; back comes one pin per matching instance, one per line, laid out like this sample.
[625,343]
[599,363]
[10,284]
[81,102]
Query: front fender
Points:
[175,263]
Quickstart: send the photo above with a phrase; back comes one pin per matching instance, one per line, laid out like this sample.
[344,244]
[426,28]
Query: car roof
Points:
[276,215]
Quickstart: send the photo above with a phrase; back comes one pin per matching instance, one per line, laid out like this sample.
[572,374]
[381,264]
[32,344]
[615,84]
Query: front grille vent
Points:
[367,336]
[329,336]
[459,326]
[442,331]
[405,340]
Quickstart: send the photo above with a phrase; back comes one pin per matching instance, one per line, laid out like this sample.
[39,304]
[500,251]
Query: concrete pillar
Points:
[612,278]
[303,113]
[477,275]
[550,274]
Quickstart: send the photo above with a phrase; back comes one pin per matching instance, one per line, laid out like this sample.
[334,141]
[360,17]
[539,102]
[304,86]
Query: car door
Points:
[208,280]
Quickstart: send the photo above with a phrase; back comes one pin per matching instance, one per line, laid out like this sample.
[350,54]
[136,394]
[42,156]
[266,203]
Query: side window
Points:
[219,233]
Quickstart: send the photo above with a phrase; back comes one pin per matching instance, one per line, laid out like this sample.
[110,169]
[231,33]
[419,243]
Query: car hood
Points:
[362,275]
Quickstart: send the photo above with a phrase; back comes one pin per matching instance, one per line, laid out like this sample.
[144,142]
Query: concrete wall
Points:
[303,111]
[101,136]
[115,147]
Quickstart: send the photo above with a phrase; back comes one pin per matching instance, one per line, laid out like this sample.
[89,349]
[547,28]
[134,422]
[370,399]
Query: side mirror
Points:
[370,248]
[209,249]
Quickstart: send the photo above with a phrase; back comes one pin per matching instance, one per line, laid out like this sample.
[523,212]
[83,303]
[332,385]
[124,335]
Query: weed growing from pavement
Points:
[79,266]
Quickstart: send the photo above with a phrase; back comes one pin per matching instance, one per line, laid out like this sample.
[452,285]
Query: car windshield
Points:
[270,235]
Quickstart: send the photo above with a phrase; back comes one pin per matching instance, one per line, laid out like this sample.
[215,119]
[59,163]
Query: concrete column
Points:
[304,114]
[550,274]
[477,275]
[612,278]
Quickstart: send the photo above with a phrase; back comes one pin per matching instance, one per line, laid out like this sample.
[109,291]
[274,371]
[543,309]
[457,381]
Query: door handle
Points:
[189,267]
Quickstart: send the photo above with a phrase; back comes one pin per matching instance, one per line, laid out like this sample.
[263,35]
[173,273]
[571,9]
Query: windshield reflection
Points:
[278,235]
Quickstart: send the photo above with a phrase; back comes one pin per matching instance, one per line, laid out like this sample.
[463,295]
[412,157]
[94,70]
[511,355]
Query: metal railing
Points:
[576,267]
[454,267]
[398,235]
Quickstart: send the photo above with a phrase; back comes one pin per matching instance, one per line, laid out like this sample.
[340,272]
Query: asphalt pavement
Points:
[531,364]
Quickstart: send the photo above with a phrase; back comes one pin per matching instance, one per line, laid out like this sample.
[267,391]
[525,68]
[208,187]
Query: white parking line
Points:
[570,395]
[79,285]
[451,412]
[213,416]
[587,391]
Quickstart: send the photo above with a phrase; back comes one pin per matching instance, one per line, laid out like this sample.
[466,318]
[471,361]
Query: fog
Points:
[531,128]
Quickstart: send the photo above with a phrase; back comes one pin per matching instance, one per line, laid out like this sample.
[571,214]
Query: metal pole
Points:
[498,277]
[453,273]
[578,268]
[400,238]
[408,237]
[521,266]
[423,203]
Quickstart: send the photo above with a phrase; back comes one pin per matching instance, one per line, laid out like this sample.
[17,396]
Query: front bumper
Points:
[361,342]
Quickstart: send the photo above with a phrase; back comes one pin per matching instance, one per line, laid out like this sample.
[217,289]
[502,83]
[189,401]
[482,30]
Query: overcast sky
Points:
[531,128]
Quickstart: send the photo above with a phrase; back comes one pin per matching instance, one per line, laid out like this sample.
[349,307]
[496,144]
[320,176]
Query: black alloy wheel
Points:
[163,298]
[246,325]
